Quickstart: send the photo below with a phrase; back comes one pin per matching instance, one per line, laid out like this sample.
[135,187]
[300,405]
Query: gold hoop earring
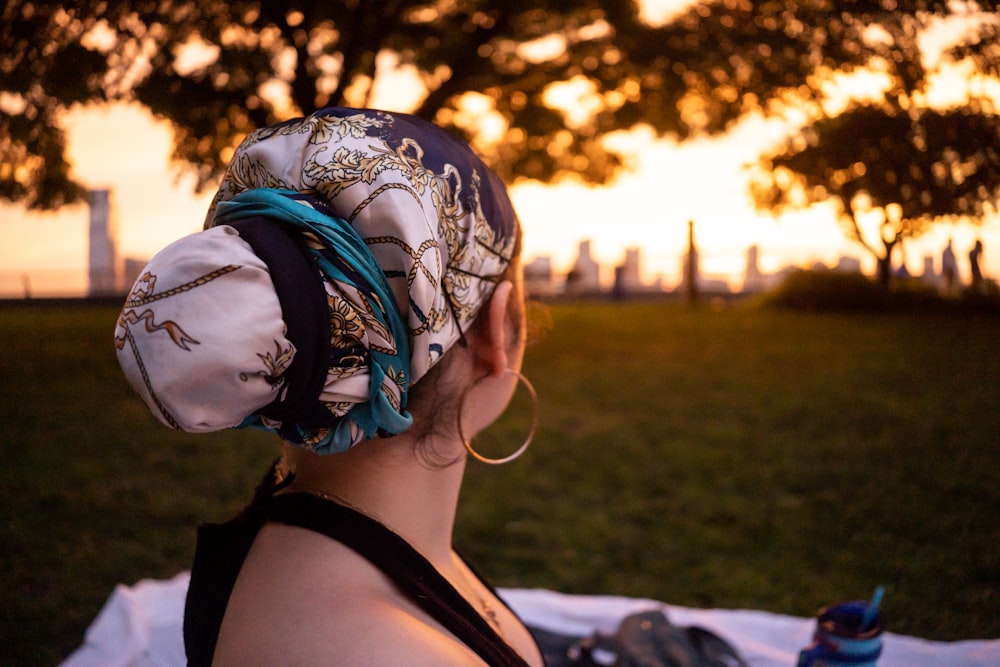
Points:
[531,433]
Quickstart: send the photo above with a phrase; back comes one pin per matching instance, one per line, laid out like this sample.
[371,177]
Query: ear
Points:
[494,343]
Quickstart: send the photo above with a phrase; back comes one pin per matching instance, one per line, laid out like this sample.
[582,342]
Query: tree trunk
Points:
[884,272]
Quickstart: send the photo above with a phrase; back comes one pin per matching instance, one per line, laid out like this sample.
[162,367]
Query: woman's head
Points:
[405,235]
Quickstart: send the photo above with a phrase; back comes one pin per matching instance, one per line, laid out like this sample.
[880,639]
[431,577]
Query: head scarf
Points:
[405,234]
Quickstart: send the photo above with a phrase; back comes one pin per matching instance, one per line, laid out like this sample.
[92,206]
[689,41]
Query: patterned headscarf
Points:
[405,234]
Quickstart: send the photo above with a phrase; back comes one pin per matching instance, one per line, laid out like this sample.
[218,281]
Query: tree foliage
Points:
[898,160]
[916,168]
[218,69]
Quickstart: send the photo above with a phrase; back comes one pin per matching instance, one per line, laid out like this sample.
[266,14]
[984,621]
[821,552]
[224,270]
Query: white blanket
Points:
[140,626]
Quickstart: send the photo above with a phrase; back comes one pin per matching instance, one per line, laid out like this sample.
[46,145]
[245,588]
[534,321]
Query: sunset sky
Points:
[124,149]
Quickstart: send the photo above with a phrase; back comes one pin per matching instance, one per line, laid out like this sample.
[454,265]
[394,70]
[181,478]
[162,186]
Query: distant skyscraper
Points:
[753,280]
[538,279]
[632,269]
[848,264]
[586,274]
[103,257]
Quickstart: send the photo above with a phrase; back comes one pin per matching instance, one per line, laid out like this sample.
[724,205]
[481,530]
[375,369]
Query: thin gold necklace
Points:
[488,612]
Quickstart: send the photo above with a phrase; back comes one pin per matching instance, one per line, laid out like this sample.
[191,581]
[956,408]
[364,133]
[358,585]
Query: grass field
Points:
[734,458]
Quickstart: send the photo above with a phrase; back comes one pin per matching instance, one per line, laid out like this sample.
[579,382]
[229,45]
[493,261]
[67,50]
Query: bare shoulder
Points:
[304,600]
[374,636]
[383,636]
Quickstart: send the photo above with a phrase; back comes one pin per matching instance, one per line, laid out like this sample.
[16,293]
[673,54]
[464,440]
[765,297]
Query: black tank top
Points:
[222,549]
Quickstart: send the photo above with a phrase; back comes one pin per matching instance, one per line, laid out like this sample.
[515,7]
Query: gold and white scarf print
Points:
[439,223]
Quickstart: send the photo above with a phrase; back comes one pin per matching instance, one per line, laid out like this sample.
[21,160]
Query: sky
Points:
[123,148]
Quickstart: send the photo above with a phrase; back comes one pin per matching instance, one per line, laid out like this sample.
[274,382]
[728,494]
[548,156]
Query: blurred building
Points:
[585,277]
[753,279]
[132,268]
[102,254]
[848,264]
[756,281]
[630,275]
[538,278]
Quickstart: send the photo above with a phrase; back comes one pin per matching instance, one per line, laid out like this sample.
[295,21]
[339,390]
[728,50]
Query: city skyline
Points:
[125,150]
[109,274]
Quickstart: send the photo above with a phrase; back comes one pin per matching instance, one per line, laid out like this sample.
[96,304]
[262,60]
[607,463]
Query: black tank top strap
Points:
[399,561]
[219,554]
[220,551]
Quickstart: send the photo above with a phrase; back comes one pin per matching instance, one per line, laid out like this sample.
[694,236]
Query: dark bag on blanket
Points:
[644,639]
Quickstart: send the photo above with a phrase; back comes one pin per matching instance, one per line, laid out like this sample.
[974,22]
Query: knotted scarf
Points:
[408,232]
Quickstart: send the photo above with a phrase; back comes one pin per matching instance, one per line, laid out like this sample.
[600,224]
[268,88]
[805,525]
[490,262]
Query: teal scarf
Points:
[344,260]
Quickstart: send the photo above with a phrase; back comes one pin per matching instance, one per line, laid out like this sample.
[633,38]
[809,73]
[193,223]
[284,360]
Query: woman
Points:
[349,256]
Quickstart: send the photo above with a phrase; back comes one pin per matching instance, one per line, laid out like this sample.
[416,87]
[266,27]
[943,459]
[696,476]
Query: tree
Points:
[903,171]
[896,166]
[218,69]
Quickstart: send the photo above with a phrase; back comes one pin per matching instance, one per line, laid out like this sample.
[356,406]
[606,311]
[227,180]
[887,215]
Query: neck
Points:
[387,480]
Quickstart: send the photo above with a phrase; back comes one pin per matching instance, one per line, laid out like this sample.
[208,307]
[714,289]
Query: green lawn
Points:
[733,458]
